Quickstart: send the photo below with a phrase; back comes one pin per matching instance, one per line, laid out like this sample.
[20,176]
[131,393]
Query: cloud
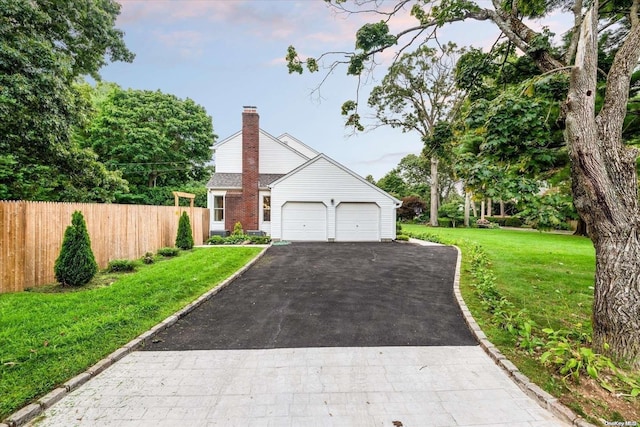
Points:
[277,62]
[188,43]
[268,20]
[385,158]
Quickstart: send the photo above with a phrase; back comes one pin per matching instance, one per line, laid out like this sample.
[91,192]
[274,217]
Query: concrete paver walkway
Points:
[372,386]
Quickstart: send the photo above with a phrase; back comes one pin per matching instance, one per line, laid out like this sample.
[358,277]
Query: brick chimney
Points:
[243,206]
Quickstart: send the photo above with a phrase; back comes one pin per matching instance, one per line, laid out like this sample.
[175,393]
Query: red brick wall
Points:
[242,206]
[233,210]
[250,167]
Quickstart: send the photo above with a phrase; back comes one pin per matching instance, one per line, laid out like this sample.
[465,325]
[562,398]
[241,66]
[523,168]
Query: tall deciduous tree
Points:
[44,46]
[418,92]
[155,139]
[604,177]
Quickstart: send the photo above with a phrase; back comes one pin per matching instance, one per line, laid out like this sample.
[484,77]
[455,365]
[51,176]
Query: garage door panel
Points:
[304,221]
[357,222]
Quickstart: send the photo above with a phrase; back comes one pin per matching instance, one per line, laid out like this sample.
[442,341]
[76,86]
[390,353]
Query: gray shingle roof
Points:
[224,181]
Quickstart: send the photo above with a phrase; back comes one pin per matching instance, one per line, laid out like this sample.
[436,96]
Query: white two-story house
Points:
[289,191]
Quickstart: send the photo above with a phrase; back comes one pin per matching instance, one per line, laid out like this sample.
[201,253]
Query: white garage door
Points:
[304,221]
[357,222]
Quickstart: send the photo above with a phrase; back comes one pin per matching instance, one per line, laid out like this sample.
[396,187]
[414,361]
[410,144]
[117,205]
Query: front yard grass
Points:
[551,276]
[48,336]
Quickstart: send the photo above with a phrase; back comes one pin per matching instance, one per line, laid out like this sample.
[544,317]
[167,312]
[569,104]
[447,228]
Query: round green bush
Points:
[513,222]
[148,258]
[216,240]
[168,252]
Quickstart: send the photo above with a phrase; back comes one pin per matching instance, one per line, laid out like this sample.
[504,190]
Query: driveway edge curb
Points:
[544,399]
[32,410]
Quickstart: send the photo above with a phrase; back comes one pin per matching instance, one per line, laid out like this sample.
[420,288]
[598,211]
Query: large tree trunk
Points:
[467,207]
[474,209]
[433,213]
[581,228]
[605,191]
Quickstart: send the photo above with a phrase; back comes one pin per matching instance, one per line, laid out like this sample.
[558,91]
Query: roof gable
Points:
[339,166]
[298,145]
[278,141]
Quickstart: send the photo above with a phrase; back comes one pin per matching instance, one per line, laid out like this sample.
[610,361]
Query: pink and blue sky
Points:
[225,54]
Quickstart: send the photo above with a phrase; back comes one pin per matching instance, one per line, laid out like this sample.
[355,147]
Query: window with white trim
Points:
[218,208]
[266,208]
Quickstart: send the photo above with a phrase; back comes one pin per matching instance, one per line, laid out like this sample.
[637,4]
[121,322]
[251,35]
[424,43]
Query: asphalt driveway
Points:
[330,295]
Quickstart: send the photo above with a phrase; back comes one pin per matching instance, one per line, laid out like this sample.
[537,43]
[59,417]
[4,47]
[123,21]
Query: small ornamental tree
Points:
[184,240]
[412,206]
[76,264]
[237,229]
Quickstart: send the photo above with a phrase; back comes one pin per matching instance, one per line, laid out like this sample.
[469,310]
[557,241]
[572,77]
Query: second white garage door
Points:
[304,222]
[357,222]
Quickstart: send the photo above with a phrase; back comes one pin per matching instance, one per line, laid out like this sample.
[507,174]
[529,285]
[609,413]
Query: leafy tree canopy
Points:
[44,46]
[154,139]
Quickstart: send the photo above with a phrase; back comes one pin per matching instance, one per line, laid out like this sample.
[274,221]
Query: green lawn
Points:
[551,275]
[48,337]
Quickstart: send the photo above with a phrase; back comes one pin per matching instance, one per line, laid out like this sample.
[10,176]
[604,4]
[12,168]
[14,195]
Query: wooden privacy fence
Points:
[32,232]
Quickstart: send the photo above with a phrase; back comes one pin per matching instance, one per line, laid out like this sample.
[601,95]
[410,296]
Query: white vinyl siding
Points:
[357,222]
[304,221]
[322,180]
[228,155]
[298,146]
[276,157]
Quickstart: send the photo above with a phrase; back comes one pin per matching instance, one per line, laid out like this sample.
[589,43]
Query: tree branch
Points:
[575,36]
[625,61]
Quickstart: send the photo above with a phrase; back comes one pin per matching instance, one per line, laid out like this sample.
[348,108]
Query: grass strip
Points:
[47,338]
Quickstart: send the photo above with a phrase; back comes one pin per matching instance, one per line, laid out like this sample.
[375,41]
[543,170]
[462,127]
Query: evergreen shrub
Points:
[121,266]
[168,252]
[184,240]
[76,264]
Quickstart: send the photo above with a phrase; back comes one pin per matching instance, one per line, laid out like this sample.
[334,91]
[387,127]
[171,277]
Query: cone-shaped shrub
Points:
[184,240]
[76,264]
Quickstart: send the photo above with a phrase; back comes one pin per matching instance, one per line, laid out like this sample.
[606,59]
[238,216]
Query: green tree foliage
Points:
[393,184]
[510,141]
[415,172]
[453,211]
[159,142]
[44,47]
[76,264]
[418,92]
[184,239]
